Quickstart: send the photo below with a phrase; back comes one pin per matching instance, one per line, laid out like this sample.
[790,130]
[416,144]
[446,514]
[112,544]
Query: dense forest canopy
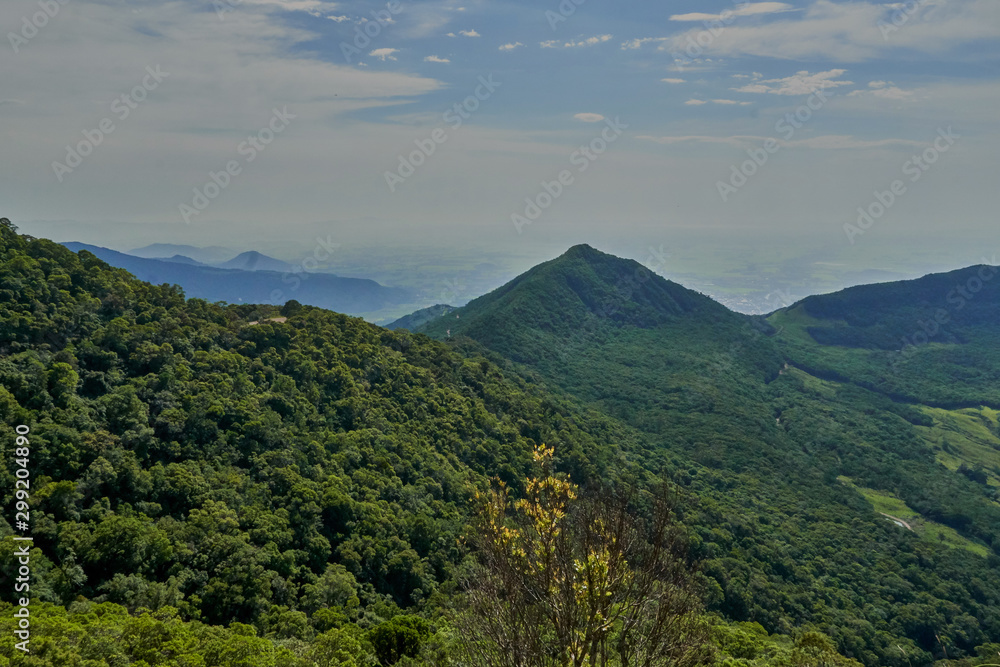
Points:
[807,462]
[220,484]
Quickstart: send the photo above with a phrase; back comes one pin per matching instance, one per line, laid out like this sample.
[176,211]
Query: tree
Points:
[570,581]
[291,307]
[401,636]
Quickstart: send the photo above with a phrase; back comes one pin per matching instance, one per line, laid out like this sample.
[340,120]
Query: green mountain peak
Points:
[583,290]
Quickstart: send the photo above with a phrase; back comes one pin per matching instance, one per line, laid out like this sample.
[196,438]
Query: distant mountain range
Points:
[217,256]
[208,255]
[352,296]
[182,259]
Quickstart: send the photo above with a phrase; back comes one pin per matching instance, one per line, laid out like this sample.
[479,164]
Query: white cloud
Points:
[637,43]
[225,79]
[589,117]
[825,142]
[738,141]
[884,89]
[339,19]
[800,83]
[384,54]
[748,9]
[469,33]
[510,46]
[590,41]
[572,44]
[851,32]
[842,141]
[668,80]
[698,103]
[436,59]
[893,93]
[312,6]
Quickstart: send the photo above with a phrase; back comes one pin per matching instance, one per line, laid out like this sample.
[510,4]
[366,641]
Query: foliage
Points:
[576,581]
[287,489]
[761,443]
[300,478]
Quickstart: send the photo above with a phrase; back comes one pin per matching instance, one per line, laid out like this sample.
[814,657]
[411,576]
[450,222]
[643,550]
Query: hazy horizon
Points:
[170,92]
[796,147]
[747,277]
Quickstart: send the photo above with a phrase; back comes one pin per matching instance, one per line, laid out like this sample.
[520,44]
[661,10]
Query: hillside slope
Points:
[935,340]
[304,477]
[767,443]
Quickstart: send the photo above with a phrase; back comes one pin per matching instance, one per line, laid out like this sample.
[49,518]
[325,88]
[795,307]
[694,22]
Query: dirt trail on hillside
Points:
[900,521]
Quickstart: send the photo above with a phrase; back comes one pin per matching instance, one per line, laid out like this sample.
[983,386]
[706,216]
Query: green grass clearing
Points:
[970,436]
[929,531]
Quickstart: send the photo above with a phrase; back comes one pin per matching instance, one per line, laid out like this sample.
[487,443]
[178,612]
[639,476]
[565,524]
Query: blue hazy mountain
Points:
[182,259]
[351,296]
[209,255]
[255,261]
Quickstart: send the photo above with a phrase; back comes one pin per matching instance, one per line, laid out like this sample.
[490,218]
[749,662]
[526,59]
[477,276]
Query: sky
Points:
[522,126]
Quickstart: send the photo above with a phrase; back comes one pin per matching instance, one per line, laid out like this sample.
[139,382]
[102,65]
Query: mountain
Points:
[420,317]
[208,255]
[789,457]
[599,326]
[910,340]
[579,295]
[255,261]
[348,295]
[181,259]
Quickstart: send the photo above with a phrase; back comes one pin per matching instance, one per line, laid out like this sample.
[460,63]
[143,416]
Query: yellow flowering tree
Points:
[572,580]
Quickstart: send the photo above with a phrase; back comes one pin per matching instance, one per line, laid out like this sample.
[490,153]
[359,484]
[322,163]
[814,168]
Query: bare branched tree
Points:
[579,581]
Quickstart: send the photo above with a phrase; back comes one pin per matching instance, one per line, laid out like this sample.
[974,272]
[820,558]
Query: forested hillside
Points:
[243,485]
[935,340]
[251,485]
[798,471]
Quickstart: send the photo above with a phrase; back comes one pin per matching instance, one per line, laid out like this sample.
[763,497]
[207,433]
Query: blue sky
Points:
[890,77]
